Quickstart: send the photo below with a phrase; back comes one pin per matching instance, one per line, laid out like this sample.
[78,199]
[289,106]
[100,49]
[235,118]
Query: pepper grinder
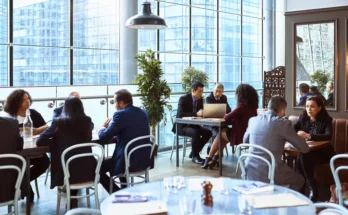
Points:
[207,198]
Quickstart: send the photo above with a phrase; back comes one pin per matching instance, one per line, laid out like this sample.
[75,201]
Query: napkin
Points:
[276,201]
[151,207]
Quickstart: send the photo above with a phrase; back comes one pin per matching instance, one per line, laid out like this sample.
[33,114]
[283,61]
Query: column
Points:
[268,29]
[128,42]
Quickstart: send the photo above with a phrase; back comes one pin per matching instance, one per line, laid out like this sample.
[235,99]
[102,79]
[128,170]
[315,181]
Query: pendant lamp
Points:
[145,19]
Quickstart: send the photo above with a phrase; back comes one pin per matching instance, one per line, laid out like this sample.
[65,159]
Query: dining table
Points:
[225,199]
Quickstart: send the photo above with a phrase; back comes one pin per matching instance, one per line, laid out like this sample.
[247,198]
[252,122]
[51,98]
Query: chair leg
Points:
[184,149]
[111,185]
[88,198]
[233,149]
[226,151]
[58,201]
[48,170]
[37,189]
[132,181]
[68,198]
[96,197]
[171,155]
[147,176]
[9,209]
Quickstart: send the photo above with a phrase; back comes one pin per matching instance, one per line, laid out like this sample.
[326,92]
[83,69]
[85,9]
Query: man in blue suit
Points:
[127,123]
[58,111]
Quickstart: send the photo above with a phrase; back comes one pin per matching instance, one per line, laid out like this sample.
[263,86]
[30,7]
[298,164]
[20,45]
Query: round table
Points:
[223,204]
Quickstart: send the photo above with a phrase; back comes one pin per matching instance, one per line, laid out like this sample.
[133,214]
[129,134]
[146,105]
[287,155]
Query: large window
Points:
[49,45]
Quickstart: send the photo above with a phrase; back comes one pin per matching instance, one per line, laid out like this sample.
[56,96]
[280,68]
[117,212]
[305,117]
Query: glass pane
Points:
[229,34]
[95,67]
[3,66]
[96,111]
[229,72]
[96,24]
[3,21]
[207,64]
[252,72]
[44,23]
[230,6]
[175,37]
[82,90]
[252,34]
[173,65]
[40,66]
[203,33]
[252,8]
[209,4]
[231,98]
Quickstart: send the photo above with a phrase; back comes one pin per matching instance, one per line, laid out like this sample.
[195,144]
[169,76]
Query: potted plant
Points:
[191,75]
[320,78]
[154,90]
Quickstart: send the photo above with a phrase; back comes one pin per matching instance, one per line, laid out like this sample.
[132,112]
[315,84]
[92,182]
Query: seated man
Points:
[190,105]
[330,94]
[272,131]
[304,92]
[10,143]
[217,97]
[128,123]
[58,111]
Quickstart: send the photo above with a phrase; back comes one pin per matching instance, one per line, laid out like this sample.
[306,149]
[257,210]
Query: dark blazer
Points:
[185,108]
[127,124]
[330,99]
[57,112]
[324,127]
[239,119]
[10,143]
[303,99]
[223,100]
[70,132]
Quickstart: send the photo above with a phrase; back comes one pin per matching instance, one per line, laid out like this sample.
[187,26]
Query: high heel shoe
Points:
[214,162]
[206,163]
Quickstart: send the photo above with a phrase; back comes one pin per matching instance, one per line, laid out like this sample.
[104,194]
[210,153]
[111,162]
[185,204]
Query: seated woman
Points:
[315,124]
[248,100]
[71,128]
[314,90]
[16,106]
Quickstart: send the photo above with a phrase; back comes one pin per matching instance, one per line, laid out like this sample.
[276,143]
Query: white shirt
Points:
[20,119]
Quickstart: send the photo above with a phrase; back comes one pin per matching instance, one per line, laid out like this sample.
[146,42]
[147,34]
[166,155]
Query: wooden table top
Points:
[313,145]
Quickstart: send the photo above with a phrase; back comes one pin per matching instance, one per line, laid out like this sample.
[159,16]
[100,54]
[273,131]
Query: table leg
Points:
[28,201]
[177,144]
[220,152]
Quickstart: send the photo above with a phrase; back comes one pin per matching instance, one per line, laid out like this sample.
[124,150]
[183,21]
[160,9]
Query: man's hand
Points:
[303,135]
[200,113]
[106,123]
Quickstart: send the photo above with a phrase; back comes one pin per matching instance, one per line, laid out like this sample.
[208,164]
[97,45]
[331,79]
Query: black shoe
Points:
[205,165]
[190,155]
[197,160]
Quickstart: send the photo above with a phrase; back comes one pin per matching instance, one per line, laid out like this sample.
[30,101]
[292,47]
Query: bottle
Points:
[28,130]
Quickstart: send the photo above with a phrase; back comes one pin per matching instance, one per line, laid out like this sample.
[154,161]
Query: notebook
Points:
[151,207]
[254,187]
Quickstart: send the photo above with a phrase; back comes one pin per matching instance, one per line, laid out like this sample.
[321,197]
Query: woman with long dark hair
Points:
[315,124]
[315,91]
[16,106]
[248,102]
[71,128]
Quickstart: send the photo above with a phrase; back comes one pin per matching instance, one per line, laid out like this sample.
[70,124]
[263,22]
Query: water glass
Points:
[173,184]
[243,204]
[187,205]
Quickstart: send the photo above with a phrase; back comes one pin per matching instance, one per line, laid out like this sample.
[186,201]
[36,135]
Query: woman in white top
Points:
[16,106]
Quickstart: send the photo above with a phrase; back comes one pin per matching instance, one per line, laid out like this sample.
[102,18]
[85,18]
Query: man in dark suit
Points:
[304,92]
[127,123]
[10,143]
[330,96]
[191,105]
[58,111]
[217,97]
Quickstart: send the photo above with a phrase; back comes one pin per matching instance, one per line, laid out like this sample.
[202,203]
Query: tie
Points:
[195,106]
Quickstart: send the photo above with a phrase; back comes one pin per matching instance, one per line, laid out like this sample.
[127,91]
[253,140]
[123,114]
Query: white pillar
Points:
[268,29]
[128,42]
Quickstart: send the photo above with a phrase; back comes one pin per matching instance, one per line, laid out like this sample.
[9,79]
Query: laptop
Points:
[214,110]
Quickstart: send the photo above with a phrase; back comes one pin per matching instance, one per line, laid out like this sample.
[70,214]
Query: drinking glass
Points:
[187,205]
[173,184]
[243,204]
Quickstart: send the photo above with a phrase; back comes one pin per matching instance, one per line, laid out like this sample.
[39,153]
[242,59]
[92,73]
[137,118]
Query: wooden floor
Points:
[46,204]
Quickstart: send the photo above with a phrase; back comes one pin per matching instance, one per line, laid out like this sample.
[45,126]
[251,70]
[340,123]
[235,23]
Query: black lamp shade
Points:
[146,20]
